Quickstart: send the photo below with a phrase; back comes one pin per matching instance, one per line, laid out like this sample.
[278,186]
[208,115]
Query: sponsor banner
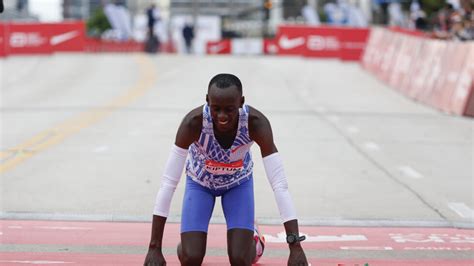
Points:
[67,37]
[461,100]
[353,43]
[452,63]
[291,40]
[412,46]
[219,47]
[3,38]
[247,46]
[434,71]
[29,39]
[270,46]
[389,53]
[324,42]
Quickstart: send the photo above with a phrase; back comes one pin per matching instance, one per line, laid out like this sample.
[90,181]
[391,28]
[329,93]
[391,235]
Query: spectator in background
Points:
[188,36]
[395,14]
[417,16]
[310,15]
[153,17]
[1,6]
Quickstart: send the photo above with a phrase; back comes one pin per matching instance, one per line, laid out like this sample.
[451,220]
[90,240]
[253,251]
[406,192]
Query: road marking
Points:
[462,210]
[64,228]
[410,172]
[366,248]
[353,129]
[71,126]
[1,233]
[281,238]
[101,149]
[15,227]
[39,262]
[371,146]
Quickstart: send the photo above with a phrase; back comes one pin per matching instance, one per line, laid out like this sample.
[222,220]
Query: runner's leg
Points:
[238,205]
[198,204]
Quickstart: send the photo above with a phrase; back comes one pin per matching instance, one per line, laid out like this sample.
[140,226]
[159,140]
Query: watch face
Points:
[290,239]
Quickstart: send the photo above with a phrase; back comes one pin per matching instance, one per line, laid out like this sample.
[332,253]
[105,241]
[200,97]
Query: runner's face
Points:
[224,105]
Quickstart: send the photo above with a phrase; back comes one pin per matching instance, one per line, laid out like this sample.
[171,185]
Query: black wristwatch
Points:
[294,238]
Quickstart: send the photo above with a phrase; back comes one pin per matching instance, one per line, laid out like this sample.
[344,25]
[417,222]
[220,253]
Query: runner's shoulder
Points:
[258,122]
[193,120]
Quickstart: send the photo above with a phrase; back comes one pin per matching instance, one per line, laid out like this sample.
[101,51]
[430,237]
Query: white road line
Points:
[101,149]
[366,248]
[371,146]
[281,238]
[353,129]
[1,233]
[64,228]
[410,172]
[39,262]
[462,209]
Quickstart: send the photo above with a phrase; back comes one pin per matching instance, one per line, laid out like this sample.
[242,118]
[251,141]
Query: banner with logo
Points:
[219,47]
[291,40]
[3,38]
[345,43]
[67,36]
[28,39]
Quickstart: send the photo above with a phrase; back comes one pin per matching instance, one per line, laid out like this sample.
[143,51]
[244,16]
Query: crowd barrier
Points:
[41,38]
[435,72]
[344,43]
[47,38]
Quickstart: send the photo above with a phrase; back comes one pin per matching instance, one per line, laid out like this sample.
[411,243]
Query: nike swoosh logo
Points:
[287,43]
[64,37]
[217,48]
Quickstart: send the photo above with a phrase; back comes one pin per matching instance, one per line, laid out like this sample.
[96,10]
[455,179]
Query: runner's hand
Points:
[297,257]
[154,258]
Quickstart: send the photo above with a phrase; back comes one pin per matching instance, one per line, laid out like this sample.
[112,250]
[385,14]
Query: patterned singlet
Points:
[210,165]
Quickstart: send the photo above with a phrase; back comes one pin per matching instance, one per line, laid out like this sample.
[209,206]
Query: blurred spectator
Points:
[188,36]
[334,14]
[417,16]
[153,17]
[310,15]
[1,6]
[396,17]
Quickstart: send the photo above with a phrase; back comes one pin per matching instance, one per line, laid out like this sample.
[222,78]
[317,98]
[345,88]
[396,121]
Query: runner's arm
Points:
[188,132]
[261,132]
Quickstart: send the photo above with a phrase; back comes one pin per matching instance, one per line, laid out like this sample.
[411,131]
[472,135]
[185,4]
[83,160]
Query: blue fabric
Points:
[198,204]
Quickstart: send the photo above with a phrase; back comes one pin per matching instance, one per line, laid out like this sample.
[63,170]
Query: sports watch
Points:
[294,238]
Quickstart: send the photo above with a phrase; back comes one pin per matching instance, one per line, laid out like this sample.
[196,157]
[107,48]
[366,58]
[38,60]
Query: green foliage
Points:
[431,6]
[97,23]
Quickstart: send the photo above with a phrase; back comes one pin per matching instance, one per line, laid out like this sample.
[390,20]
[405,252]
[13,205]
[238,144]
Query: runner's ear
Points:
[242,101]
[207,99]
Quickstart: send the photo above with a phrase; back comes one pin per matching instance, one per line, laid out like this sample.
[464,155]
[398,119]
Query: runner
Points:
[214,141]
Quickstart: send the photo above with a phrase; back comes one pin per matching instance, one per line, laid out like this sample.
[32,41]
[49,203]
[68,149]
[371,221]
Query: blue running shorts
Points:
[198,204]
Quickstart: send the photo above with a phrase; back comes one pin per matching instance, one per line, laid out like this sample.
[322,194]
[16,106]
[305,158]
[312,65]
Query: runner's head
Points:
[224,97]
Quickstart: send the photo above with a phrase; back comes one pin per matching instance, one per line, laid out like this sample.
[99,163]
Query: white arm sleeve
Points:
[173,170]
[276,176]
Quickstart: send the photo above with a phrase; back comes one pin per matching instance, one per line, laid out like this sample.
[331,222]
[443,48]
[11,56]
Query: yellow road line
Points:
[14,156]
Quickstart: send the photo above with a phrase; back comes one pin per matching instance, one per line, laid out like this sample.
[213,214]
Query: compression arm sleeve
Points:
[173,170]
[276,176]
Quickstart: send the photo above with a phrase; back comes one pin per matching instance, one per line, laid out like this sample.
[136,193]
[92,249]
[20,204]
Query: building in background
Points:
[80,9]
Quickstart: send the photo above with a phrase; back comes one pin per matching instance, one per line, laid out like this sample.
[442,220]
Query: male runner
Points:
[216,139]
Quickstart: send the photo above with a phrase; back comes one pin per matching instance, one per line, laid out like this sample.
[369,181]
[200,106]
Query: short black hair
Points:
[225,80]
